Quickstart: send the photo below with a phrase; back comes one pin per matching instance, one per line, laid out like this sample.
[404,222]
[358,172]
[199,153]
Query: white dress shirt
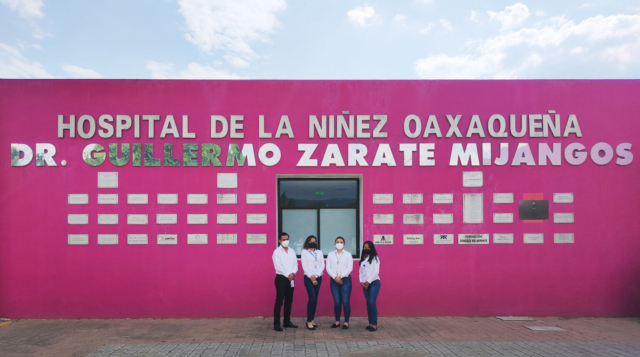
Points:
[369,271]
[285,262]
[339,264]
[312,262]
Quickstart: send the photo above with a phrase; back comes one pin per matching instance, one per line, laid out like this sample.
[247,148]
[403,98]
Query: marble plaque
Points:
[108,199]
[382,239]
[503,218]
[256,239]
[227,218]
[78,219]
[443,238]
[137,239]
[228,180]
[412,199]
[227,238]
[561,238]
[383,219]
[166,218]
[137,219]
[107,180]
[382,199]
[472,179]
[78,239]
[472,208]
[443,218]
[473,239]
[107,219]
[563,218]
[413,219]
[167,198]
[502,238]
[167,239]
[563,198]
[227,198]
[256,218]
[107,239]
[198,219]
[411,239]
[256,198]
[137,199]
[442,198]
[197,238]
[533,238]
[197,199]
[503,198]
[78,199]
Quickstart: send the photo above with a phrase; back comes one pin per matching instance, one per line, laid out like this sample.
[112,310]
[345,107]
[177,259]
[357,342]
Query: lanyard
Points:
[314,254]
[338,261]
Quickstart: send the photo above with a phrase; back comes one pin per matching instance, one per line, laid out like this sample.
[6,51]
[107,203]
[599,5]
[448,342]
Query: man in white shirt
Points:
[285,262]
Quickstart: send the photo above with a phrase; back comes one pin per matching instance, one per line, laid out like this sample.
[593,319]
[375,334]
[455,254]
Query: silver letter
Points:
[62,127]
[572,127]
[235,126]
[475,127]
[535,124]
[384,156]
[574,154]
[453,122]
[284,128]
[624,154]
[322,130]
[523,155]
[407,126]
[306,159]
[269,161]
[357,152]
[215,119]
[92,126]
[103,123]
[554,156]
[427,154]
[504,155]
[502,131]
[408,150]
[523,125]
[471,152]
[377,131]
[332,156]
[595,153]
[44,153]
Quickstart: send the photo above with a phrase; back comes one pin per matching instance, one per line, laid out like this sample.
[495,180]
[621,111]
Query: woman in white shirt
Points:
[370,281]
[313,266]
[339,267]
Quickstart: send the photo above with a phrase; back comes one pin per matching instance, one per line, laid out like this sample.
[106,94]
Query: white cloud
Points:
[539,13]
[426,29]
[425,1]
[237,62]
[512,16]
[14,65]
[362,16]
[474,16]
[400,17]
[487,58]
[446,24]
[230,26]
[586,5]
[79,72]
[193,71]
[27,8]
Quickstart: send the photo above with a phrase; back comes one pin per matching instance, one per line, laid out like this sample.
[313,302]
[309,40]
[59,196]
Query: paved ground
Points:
[397,336]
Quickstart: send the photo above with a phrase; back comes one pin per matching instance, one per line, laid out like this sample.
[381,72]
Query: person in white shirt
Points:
[285,262]
[339,267]
[370,281]
[313,266]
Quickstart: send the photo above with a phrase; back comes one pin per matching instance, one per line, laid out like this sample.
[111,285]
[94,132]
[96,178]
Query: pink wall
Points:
[41,276]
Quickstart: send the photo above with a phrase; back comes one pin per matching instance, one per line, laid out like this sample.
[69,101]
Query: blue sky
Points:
[332,39]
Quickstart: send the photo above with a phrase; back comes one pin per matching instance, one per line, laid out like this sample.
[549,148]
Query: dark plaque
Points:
[534,209]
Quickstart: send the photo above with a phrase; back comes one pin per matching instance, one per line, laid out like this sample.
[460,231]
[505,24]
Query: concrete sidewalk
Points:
[396,336]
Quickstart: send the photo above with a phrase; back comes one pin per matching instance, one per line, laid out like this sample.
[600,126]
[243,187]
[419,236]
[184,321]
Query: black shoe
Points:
[345,327]
[335,326]
[290,325]
[310,328]
[277,328]
[368,328]
[373,329]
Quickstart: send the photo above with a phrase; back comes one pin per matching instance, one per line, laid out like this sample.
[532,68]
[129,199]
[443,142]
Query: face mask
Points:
[339,246]
[284,243]
[313,245]
[366,251]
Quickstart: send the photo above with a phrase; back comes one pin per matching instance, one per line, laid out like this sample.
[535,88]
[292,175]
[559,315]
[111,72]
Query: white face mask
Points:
[339,246]
[284,243]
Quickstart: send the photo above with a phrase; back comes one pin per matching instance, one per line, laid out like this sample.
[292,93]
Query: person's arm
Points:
[304,258]
[278,265]
[375,267]
[349,269]
[321,255]
[294,270]
[330,271]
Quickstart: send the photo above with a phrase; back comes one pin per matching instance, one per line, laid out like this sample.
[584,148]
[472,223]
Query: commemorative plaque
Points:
[107,219]
[442,198]
[256,198]
[413,219]
[256,238]
[472,208]
[503,218]
[197,218]
[107,239]
[533,209]
[108,199]
[201,238]
[137,239]
[412,239]
[227,198]
[503,238]
[107,180]
[78,219]
[166,218]
[138,199]
[563,198]
[443,239]
[78,199]
[473,239]
[382,239]
[563,217]
[533,238]
[137,219]
[227,238]
[443,218]
[167,239]
[167,198]
[383,219]
[562,238]
[228,180]
[472,179]
[227,218]
[412,198]
[256,218]
[78,239]
[503,198]
[197,199]
[382,199]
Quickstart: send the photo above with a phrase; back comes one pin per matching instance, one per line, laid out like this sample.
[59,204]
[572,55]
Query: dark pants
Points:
[341,297]
[284,291]
[371,295]
[312,291]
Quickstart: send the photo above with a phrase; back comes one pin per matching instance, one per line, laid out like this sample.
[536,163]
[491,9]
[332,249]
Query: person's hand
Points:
[291,276]
[315,282]
[313,278]
[365,285]
[338,279]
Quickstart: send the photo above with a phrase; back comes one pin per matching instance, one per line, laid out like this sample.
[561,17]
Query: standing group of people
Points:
[339,265]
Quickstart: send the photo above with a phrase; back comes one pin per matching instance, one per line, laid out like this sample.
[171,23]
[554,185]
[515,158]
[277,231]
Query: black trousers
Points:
[284,291]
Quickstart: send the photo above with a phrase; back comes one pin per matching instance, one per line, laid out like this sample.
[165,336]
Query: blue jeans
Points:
[312,291]
[341,297]
[371,295]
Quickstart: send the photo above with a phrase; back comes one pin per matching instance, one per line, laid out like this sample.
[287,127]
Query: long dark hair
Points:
[308,240]
[372,254]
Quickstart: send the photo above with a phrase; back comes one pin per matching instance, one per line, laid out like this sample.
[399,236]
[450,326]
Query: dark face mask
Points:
[366,252]
[313,245]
